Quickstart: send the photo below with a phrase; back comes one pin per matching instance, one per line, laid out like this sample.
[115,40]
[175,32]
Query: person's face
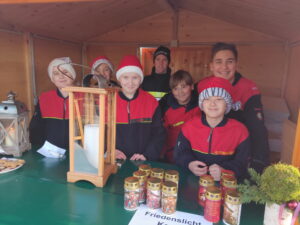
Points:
[59,79]
[104,70]
[214,107]
[130,82]
[161,64]
[182,92]
[224,65]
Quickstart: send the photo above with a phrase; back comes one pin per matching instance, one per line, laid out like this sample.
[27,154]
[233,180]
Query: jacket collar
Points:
[172,101]
[122,96]
[221,124]
[237,77]
[153,73]
[60,94]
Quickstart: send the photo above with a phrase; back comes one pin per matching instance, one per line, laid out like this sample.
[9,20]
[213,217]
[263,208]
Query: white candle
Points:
[10,137]
[91,143]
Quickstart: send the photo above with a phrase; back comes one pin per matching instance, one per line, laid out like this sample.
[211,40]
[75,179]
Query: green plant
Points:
[279,183]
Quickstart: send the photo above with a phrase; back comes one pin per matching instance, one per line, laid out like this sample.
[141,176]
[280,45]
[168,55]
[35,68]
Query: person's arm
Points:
[37,127]
[254,121]
[158,136]
[183,152]
[239,164]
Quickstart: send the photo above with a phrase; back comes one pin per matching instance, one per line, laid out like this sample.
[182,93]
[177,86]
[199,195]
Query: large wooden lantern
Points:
[14,136]
[92,122]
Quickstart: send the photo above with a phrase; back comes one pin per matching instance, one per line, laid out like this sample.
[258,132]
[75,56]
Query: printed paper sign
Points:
[147,216]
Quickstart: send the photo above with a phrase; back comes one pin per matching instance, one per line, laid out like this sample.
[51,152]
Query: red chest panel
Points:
[139,110]
[54,106]
[221,140]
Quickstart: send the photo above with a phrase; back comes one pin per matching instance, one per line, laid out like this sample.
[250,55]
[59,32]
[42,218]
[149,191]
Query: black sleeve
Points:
[163,104]
[239,164]
[254,121]
[158,136]
[183,152]
[37,127]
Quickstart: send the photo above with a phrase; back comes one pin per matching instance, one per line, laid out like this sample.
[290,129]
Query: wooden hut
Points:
[32,32]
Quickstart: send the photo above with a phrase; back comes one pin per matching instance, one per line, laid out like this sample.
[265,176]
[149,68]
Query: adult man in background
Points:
[157,83]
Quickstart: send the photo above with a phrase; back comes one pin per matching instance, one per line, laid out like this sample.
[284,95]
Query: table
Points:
[38,194]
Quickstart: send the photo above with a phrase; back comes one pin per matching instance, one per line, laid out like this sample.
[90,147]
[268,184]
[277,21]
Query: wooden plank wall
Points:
[12,64]
[261,57]
[292,90]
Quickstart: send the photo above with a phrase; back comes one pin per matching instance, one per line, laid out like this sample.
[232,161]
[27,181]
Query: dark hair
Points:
[179,76]
[224,46]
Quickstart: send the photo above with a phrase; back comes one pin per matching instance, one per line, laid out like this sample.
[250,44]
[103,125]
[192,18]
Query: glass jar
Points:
[228,183]
[205,181]
[172,175]
[169,197]
[212,207]
[157,172]
[153,192]
[232,208]
[141,175]
[131,193]
[145,168]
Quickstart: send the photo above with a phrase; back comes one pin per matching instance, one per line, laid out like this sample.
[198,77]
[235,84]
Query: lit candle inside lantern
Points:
[10,137]
[91,143]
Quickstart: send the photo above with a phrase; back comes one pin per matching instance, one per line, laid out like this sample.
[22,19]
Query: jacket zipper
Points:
[128,112]
[209,140]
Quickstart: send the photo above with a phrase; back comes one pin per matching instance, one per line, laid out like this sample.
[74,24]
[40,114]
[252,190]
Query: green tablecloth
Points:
[39,194]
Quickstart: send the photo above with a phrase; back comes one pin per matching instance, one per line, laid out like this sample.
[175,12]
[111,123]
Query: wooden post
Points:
[296,152]
[101,134]
[72,130]
[29,72]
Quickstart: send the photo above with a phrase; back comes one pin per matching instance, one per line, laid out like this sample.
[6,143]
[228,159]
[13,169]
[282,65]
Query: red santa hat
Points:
[130,63]
[216,86]
[98,61]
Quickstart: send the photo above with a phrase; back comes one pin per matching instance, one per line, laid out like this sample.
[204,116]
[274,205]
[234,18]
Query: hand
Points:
[120,154]
[198,168]
[215,171]
[138,157]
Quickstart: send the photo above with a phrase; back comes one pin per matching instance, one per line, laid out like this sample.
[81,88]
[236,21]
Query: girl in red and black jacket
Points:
[140,132]
[50,121]
[212,142]
[178,107]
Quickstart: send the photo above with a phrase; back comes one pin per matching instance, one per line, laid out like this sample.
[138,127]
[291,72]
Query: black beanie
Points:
[162,50]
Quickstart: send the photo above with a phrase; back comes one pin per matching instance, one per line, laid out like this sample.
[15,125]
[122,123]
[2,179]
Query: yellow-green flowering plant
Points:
[279,183]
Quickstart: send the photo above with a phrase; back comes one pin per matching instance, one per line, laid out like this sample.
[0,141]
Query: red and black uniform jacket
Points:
[51,120]
[251,114]
[226,145]
[157,84]
[139,125]
[174,116]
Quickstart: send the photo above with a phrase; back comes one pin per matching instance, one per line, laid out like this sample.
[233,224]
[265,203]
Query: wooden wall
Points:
[262,57]
[13,66]
[292,91]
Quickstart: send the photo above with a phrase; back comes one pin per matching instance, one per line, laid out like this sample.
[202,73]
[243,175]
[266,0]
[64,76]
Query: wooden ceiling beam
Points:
[44,1]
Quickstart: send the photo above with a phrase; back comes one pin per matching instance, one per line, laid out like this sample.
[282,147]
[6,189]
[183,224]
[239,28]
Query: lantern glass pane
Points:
[90,125]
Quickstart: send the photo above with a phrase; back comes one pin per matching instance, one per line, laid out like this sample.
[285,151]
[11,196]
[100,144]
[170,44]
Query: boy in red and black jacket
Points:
[140,132]
[178,107]
[224,64]
[212,142]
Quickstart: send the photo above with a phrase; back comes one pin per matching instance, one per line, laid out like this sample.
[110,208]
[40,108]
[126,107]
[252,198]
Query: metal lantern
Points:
[14,136]
[92,134]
